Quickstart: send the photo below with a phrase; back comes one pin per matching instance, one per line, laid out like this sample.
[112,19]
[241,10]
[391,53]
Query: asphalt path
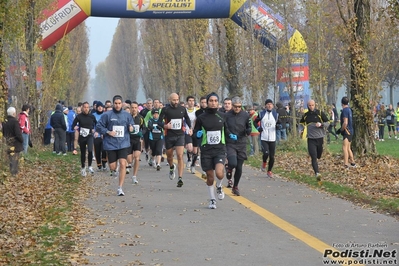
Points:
[273,222]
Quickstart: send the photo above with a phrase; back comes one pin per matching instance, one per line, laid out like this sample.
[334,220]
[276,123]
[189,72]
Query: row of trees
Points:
[30,75]
[350,43]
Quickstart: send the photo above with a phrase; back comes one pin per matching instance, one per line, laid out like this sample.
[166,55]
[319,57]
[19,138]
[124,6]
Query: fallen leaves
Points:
[375,176]
[39,209]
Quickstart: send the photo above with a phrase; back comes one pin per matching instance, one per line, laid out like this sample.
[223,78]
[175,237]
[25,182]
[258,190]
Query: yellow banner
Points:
[160,5]
[85,5]
[235,5]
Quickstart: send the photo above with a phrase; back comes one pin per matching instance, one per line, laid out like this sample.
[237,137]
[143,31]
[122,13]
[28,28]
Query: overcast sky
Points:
[101,31]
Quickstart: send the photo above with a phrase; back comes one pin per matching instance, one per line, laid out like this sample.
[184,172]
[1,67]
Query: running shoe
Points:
[180,182]
[263,167]
[91,170]
[192,169]
[212,204]
[83,171]
[127,171]
[134,180]
[269,174]
[188,165]
[229,183]
[150,162]
[235,191]
[120,192]
[318,177]
[172,174]
[158,167]
[219,191]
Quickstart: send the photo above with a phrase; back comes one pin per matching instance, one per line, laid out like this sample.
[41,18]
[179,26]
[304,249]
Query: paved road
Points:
[273,222]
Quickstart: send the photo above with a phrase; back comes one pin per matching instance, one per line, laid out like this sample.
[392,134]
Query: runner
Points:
[189,140]
[197,142]
[135,140]
[212,128]
[239,123]
[155,128]
[268,120]
[316,122]
[86,122]
[173,116]
[100,154]
[115,126]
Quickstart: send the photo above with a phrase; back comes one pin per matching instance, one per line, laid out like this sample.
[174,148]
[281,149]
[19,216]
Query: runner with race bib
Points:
[173,116]
[212,129]
[115,126]
[86,126]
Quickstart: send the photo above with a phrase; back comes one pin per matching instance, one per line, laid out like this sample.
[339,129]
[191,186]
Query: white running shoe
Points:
[127,171]
[219,191]
[158,167]
[188,165]
[120,192]
[134,179]
[212,204]
[83,171]
[91,170]
[192,170]
[172,173]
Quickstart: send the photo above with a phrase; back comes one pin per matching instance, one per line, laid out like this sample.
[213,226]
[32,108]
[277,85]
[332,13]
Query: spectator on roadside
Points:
[47,130]
[70,134]
[382,115]
[347,132]
[390,117]
[281,126]
[24,125]
[57,122]
[13,135]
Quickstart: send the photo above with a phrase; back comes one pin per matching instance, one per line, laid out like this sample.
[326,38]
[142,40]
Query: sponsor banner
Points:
[267,26]
[298,73]
[160,5]
[168,9]
[300,90]
[62,17]
[59,18]
[299,59]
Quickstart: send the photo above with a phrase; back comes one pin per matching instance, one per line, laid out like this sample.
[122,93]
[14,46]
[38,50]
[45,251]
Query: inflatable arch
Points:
[267,26]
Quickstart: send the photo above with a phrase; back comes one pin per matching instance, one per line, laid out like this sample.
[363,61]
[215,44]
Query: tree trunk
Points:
[3,84]
[363,141]
[231,60]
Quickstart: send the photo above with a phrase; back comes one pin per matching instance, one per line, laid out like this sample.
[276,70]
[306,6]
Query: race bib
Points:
[156,129]
[84,132]
[176,123]
[136,129]
[213,137]
[120,131]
